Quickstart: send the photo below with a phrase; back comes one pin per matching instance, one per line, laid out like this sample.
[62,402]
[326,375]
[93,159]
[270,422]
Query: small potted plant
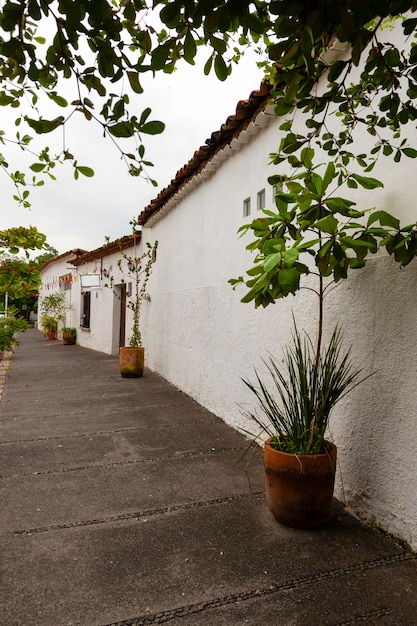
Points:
[49,326]
[69,335]
[137,270]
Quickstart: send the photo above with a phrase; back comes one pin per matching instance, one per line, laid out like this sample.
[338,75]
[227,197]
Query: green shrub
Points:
[8,327]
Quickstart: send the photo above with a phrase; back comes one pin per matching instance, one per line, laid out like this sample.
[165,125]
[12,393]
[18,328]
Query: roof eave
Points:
[246,112]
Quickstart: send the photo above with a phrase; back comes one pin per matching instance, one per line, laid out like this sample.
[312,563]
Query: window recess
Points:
[246,207]
[260,200]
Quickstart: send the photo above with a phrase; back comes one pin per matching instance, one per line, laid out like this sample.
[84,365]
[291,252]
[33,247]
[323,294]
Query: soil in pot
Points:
[299,488]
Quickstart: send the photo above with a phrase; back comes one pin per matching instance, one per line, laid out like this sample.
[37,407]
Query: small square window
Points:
[246,207]
[275,190]
[261,200]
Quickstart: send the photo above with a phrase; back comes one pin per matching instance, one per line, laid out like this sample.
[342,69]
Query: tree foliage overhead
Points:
[327,60]
[105,47]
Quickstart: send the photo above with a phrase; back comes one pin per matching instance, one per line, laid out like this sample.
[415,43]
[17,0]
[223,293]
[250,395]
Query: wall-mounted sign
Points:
[90,280]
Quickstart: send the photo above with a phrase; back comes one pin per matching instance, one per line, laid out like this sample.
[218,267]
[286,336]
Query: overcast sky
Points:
[80,214]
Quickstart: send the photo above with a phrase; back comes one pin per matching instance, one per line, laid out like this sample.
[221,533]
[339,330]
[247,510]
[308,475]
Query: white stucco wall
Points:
[52,282]
[105,307]
[103,334]
[199,336]
[203,339]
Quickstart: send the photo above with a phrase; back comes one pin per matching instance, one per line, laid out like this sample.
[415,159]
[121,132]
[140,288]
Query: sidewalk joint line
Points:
[101,433]
[329,575]
[82,468]
[137,515]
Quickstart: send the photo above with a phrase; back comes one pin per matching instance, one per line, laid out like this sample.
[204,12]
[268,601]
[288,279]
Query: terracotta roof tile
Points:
[109,248]
[76,251]
[246,111]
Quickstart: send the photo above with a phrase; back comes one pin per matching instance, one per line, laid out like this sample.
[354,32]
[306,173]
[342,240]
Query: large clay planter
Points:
[299,488]
[132,362]
[51,334]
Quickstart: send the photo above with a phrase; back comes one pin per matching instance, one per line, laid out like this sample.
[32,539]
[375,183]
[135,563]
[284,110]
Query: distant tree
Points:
[50,253]
[19,277]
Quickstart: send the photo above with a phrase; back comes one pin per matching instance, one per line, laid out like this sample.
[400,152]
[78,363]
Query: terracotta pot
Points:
[51,334]
[132,362]
[68,339]
[299,488]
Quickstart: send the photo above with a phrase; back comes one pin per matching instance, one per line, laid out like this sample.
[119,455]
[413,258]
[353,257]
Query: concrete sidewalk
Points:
[124,502]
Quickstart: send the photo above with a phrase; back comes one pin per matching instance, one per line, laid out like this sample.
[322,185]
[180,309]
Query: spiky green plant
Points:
[295,409]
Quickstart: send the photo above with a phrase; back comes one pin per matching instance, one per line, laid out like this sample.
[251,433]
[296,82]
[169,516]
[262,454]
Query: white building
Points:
[96,284]
[59,276]
[204,340]
[199,335]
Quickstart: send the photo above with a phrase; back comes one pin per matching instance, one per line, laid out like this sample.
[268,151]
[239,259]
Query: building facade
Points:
[202,338]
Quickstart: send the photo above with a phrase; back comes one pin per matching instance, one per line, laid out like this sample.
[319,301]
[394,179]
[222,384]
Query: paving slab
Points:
[126,503]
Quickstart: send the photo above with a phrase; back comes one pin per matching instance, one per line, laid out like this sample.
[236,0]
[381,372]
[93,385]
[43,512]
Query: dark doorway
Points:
[122,330]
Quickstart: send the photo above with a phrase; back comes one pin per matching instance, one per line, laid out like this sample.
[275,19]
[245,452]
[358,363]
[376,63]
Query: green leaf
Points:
[152,128]
[409,26]
[220,67]
[169,14]
[254,271]
[251,295]
[339,205]
[59,100]
[290,256]
[134,82]
[260,224]
[160,57]
[282,107]
[219,45]
[45,126]
[325,249]
[272,261]
[327,224]
[121,129]
[328,177]
[385,219]
[353,243]
[356,263]
[380,232]
[207,66]
[85,171]
[190,48]
[37,167]
[289,278]
[410,152]
[367,182]
[307,156]
[311,243]
[144,116]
